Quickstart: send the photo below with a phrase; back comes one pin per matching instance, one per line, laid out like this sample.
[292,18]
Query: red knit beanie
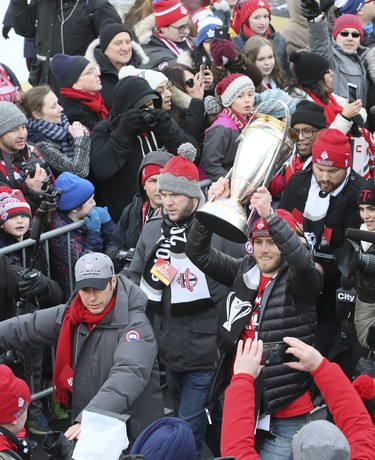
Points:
[180,175]
[168,11]
[347,21]
[232,86]
[14,396]
[332,149]
[12,203]
[245,9]
[261,227]
[148,171]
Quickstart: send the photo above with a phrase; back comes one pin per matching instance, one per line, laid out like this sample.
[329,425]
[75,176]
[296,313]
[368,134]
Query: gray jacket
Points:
[186,343]
[348,68]
[112,371]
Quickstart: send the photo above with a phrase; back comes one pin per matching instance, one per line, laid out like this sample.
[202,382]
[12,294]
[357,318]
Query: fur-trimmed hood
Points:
[94,50]
[370,63]
[179,98]
[185,58]
[144,28]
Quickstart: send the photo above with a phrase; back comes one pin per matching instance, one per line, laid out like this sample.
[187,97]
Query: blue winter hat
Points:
[67,69]
[168,438]
[75,191]
[206,29]
[349,6]
[272,107]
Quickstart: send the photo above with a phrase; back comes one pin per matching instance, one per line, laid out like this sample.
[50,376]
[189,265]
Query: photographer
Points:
[21,164]
[365,306]
[137,126]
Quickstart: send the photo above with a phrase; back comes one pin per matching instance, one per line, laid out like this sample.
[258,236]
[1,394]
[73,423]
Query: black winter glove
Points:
[131,122]
[33,283]
[366,288]
[310,9]
[163,122]
[5,31]
[365,366]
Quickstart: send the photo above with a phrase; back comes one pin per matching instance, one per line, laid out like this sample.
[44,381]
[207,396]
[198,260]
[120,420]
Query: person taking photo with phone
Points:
[273,291]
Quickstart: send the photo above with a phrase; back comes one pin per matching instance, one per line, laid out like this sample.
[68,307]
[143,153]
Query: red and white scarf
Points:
[172,45]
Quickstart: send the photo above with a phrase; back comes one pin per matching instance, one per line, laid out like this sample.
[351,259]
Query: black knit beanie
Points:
[310,113]
[309,67]
[67,69]
[367,193]
[133,92]
[108,29]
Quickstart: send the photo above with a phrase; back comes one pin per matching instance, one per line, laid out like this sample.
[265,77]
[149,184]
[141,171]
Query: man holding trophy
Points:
[272,295]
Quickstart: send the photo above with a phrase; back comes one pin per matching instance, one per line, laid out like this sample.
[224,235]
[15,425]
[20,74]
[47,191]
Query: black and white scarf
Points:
[316,209]
[58,132]
[189,288]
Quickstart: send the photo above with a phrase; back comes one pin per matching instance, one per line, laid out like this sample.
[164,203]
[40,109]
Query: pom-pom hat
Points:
[206,29]
[168,12]
[232,86]
[332,149]
[180,175]
[309,67]
[244,9]
[12,203]
[15,396]
[347,21]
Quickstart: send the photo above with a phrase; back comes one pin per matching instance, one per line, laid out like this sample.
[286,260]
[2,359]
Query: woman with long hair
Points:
[65,146]
[260,51]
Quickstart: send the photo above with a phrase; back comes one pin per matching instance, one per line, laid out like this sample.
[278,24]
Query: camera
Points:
[354,259]
[148,118]
[125,255]
[29,166]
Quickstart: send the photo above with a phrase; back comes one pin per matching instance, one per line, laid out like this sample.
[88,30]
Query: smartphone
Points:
[274,353]
[221,32]
[352,92]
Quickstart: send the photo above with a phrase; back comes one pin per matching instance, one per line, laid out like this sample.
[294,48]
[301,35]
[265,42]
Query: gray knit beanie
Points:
[180,175]
[232,86]
[10,117]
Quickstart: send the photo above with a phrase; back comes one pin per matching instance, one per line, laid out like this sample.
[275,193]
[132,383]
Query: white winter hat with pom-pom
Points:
[180,175]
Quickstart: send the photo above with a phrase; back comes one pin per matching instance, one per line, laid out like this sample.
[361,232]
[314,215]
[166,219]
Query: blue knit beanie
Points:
[206,29]
[349,6]
[67,69]
[272,107]
[168,438]
[75,191]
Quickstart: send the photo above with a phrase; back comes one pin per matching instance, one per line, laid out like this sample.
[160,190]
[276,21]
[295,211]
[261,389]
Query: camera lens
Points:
[148,118]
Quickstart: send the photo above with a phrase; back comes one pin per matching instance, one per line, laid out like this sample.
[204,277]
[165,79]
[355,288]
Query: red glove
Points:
[222,48]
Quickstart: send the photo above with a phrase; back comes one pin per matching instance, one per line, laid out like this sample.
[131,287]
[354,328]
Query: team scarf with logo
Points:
[239,120]
[75,314]
[173,46]
[238,308]
[188,288]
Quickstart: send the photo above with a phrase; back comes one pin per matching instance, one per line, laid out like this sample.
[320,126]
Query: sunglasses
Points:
[346,34]
[190,83]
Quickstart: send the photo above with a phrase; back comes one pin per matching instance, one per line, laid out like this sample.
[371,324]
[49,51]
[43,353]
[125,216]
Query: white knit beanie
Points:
[232,86]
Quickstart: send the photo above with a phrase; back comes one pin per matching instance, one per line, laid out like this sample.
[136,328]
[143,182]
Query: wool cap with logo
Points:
[14,396]
[168,12]
[347,21]
[332,149]
[244,9]
[261,227]
[367,193]
[93,270]
[12,203]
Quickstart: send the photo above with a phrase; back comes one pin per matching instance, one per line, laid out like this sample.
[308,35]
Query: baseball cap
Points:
[93,270]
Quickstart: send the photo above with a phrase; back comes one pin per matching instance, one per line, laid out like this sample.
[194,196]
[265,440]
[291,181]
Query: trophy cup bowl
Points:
[265,145]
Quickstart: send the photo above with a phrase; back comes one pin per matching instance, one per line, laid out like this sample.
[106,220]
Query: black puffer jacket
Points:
[287,306]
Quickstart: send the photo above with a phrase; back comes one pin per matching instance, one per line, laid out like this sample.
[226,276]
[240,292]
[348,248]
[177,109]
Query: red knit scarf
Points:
[75,314]
[93,102]
[331,109]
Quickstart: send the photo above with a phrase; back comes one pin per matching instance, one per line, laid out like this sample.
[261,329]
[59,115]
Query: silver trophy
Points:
[265,144]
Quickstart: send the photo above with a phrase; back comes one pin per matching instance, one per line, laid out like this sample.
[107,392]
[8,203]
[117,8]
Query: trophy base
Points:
[226,218]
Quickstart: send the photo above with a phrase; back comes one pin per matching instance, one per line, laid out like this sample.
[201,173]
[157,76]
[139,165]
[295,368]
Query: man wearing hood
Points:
[137,126]
[146,204]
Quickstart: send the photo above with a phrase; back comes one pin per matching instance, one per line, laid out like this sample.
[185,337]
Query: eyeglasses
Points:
[190,83]
[91,71]
[306,132]
[345,33]
[368,1]
[182,28]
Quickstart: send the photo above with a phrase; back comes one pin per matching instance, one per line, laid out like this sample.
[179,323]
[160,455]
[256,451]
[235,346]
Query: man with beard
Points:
[182,301]
[326,195]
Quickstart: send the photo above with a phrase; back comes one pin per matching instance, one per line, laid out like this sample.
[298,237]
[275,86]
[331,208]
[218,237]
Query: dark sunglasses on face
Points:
[344,33]
[190,83]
